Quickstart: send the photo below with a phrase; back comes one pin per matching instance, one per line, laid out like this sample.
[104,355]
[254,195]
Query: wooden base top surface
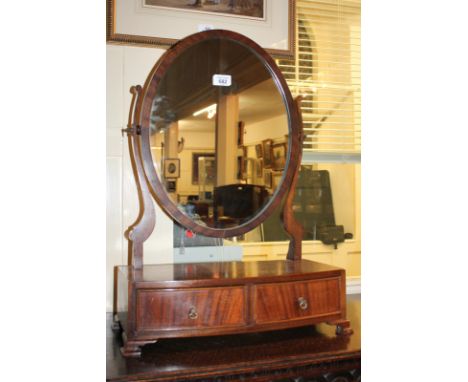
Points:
[229,271]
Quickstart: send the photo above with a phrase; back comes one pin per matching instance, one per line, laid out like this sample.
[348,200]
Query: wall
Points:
[127,66]
[275,127]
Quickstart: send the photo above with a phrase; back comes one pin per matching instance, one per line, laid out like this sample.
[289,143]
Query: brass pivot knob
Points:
[302,303]
[193,313]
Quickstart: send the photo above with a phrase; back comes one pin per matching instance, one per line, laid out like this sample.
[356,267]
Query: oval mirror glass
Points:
[219,132]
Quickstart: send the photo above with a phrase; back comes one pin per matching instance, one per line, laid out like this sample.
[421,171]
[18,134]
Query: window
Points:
[326,73]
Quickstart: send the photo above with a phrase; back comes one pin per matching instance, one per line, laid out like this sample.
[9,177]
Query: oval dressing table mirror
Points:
[222,93]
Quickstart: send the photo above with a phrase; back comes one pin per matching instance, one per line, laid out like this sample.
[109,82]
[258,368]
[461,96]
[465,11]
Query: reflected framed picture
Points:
[240,134]
[267,153]
[268,179]
[171,185]
[259,150]
[241,164]
[203,166]
[171,168]
[259,168]
[276,179]
[161,23]
[278,153]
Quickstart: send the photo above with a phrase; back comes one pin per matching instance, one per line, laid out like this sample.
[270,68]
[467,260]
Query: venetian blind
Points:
[326,72]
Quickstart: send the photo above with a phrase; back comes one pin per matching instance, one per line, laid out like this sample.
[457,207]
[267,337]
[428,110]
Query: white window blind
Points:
[326,72]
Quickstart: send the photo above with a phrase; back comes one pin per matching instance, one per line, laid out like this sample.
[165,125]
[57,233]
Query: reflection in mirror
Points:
[325,197]
[219,133]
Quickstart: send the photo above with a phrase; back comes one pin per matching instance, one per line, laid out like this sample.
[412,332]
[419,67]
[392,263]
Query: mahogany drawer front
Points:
[296,300]
[190,308]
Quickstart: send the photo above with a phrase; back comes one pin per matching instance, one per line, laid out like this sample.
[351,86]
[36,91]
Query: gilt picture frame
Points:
[171,168]
[241,175]
[195,165]
[267,153]
[278,156]
[259,150]
[276,179]
[259,168]
[253,9]
[137,22]
[268,179]
[240,133]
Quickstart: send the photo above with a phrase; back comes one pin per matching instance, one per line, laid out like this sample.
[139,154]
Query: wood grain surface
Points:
[205,299]
[312,353]
[192,308]
[280,302]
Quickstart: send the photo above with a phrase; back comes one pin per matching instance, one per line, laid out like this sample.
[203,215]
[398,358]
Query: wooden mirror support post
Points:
[293,228]
[205,299]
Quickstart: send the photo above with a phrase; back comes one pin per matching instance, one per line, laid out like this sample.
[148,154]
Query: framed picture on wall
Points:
[259,168]
[267,154]
[259,150]
[241,168]
[276,178]
[278,156]
[171,168]
[240,134]
[210,163]
[171,185]
[252,9]
[161,23]
[267,179]
[207,170]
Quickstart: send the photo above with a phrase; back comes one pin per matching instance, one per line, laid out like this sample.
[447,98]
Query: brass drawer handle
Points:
[302,303]
[192,314]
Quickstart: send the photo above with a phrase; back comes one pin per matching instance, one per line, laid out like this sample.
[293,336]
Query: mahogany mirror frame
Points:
[142,122]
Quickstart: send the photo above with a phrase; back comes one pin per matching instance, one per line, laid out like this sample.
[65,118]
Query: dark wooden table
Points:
[310,354]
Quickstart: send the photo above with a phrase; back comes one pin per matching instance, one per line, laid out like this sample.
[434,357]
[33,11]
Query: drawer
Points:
[190,308]
[296,300]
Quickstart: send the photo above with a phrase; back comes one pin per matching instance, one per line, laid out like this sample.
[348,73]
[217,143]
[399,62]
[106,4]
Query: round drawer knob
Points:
[302,303]
[193,313]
